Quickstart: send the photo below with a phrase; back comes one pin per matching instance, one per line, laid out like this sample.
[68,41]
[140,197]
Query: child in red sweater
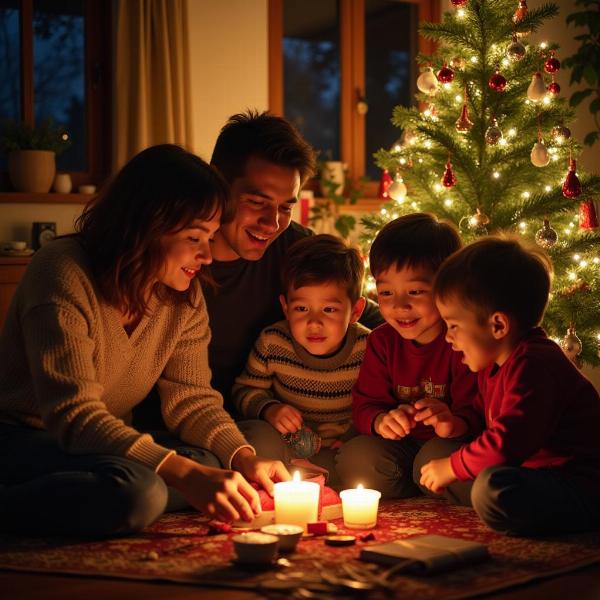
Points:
[535,466]
[410,375]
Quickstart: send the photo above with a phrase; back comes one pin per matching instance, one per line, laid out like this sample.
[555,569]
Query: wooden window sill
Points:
[50,198]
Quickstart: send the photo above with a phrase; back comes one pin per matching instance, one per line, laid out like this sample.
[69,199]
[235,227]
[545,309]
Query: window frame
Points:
[352,75]
[98,88]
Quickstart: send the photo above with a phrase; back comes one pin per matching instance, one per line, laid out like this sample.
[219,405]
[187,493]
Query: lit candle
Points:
[359,507]
[296,502]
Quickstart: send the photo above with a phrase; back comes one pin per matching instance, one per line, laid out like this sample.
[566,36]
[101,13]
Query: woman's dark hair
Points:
[159,191]
[265,136]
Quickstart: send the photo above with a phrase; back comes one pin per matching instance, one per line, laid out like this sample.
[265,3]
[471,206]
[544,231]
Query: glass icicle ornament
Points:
[493,134]
[449,178]
[546,237]
[516,50]
[427,82]
[536,90]
[397,191]
[571,187]
[539,154]
[571,344]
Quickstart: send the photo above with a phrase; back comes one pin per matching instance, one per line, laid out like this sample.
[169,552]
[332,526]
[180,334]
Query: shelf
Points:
[50,198]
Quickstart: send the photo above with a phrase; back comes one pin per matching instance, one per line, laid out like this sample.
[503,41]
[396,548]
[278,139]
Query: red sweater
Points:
[540,411]
[396,371]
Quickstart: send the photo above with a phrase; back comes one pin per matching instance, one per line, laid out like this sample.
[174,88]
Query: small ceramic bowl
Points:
[288,535]
[17,245]
[255,548]
[87,189]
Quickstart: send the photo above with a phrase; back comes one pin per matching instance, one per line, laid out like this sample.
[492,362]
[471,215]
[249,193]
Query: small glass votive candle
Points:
[359,507]
[296,502]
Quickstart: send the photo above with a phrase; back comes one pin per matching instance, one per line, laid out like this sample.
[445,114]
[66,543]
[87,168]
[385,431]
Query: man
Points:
[266,161]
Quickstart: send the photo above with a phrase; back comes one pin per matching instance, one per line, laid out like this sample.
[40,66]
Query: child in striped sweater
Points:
[300,373]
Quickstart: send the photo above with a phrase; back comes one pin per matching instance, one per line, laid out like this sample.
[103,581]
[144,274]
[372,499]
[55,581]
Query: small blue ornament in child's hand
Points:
[304,442]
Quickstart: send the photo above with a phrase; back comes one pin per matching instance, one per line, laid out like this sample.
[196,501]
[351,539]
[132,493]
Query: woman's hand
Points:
[260,470]
[285,418]
[219,493]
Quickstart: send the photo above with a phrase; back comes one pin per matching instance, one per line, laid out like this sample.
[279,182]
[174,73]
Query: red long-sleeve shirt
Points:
[540,411]
[396,371]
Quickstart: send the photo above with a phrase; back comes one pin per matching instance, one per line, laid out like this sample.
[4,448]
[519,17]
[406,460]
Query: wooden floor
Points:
[583,584]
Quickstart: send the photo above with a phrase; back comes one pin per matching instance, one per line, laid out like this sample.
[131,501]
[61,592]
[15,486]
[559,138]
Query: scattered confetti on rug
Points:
[181,547]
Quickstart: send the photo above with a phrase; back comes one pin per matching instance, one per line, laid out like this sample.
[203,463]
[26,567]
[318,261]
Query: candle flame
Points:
[296,476]
[360,486]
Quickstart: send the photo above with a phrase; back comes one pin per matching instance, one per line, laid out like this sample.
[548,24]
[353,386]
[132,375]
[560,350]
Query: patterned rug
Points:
[182,548]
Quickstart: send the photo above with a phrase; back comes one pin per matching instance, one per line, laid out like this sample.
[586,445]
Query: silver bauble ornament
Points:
[397,191]
[539,155]
[560,134]
[427,82]
[546,237]
[408,137]
[571,344]
[536,90]
[493,133]
[516,50]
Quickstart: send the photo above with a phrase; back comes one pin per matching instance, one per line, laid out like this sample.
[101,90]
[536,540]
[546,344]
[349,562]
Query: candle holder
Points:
[359,507]
[296,501]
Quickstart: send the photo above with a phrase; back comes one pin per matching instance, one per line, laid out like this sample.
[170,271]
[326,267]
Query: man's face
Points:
[406,303]
[469,335]
[265,195]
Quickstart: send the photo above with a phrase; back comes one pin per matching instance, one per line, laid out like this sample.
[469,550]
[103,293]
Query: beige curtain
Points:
[152,98]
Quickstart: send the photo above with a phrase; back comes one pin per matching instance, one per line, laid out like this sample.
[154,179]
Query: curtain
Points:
[152,97]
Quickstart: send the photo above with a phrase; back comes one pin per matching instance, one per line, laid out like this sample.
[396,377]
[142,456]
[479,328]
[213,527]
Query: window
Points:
[327,58]
[58,64]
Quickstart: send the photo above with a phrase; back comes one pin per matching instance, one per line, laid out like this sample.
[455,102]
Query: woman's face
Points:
[186,251]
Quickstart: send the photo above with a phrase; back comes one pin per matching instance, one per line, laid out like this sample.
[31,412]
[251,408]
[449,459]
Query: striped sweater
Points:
[281,370]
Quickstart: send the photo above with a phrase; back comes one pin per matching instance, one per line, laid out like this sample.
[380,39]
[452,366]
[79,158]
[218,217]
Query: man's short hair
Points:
[414,240]
[498,273]
[323,258]
[265,136]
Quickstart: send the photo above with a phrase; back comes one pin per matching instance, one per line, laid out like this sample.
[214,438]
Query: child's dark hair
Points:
[415,240]
[320,259]
[263,135]
[498,273]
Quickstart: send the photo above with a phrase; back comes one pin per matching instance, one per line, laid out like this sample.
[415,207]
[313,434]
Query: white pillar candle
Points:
[296,502]
[359,507]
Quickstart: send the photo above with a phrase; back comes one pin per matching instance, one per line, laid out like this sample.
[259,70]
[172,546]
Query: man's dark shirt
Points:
[245,301]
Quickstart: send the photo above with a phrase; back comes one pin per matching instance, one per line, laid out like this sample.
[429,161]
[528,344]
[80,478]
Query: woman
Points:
[98,319]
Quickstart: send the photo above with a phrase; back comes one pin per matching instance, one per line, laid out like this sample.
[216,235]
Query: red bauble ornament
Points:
[458,3]
[445,74]
[497,82]
[384,183]
[588,219]
[552,64]
[449,178]
[553,88]
[571,187]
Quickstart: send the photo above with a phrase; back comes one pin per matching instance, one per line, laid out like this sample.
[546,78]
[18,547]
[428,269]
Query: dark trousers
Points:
[45,490]
[517,500]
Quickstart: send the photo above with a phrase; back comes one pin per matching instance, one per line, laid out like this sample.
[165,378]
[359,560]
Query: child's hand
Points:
[285,418]
[395,424]
[434,412]
[437,475]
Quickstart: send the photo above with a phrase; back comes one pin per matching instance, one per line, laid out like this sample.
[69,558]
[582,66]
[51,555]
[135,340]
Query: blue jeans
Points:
[45,490]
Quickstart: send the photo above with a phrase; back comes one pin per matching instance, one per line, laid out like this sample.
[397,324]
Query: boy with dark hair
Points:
[299,376]
[410,376]
[535,467]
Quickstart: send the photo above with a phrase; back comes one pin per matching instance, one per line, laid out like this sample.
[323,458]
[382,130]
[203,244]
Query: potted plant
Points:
[32,153]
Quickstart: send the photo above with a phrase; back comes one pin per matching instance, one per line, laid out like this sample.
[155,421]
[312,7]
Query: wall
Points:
[228,48]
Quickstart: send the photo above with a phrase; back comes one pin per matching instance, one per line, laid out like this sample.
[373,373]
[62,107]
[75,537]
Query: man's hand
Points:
[437,475]
[218,493]
[395,424]
[285,418]
[260,470]
[434,412]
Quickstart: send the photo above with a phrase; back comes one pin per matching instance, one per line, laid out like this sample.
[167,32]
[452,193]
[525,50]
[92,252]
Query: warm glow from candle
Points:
[359,507]
[296,501]
[360,486]
[296,476]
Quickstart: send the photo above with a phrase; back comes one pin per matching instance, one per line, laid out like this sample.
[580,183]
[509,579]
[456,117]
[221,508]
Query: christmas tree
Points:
[489,149]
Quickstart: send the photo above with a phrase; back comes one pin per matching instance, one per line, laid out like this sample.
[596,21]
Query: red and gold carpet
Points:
[179,548]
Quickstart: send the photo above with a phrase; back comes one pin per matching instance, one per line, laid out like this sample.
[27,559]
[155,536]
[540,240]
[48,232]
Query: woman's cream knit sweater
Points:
[68,366]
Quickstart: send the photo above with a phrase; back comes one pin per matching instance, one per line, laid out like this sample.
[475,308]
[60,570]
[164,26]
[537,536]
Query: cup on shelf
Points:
[87,189]
[62,183]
